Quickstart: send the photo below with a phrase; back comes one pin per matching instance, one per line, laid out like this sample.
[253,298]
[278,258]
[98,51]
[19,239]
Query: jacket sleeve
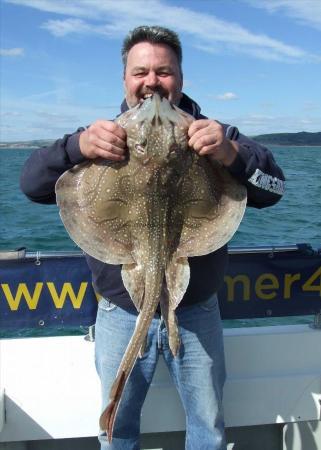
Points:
[256,168]
[44,166]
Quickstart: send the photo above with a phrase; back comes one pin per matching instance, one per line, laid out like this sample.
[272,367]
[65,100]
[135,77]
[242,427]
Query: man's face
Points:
[152,68]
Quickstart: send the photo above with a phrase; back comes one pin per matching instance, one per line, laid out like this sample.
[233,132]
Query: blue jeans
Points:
[198,372]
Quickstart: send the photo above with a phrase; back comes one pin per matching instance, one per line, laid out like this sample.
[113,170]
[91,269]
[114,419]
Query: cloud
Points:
[227,96]
[11,51]
[255,123]
[311,106]
[60,28]
[307,12]
[31,117]
[208,32]
[10,114]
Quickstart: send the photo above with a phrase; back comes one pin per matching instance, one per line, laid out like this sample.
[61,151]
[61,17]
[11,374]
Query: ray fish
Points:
[165,203]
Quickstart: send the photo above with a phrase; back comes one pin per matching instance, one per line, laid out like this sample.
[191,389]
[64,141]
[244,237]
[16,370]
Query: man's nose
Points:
[152,79]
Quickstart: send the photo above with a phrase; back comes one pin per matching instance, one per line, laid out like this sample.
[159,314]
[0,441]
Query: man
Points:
[152,59]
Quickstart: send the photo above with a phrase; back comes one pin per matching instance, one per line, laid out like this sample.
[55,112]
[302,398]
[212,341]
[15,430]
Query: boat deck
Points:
[51,395]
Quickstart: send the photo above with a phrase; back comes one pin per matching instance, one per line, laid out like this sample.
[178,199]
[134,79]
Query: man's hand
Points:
[207,137]
[103,139]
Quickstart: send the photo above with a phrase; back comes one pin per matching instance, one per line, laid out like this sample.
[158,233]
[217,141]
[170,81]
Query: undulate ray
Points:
[149,214]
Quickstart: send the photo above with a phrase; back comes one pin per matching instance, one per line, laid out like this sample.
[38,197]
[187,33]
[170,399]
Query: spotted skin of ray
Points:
[149,214]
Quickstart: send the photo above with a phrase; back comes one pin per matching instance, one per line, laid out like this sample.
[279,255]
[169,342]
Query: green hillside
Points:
[27,144]
[301,138]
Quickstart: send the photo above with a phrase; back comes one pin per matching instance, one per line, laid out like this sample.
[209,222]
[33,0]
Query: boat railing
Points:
[23,253]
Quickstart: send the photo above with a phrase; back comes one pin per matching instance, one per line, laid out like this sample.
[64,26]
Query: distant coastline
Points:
[26,144]
[301,139]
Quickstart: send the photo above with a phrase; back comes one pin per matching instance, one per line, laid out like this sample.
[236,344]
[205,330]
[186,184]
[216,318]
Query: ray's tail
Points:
[107,418]
[153,290]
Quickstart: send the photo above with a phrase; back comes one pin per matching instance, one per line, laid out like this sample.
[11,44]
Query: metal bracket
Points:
[316,325]
[38,261]
[91,334]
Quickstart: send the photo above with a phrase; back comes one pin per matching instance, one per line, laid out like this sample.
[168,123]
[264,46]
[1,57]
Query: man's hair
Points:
[154,35]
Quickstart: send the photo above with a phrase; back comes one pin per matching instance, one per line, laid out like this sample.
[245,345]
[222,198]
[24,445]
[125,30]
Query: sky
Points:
[255,64]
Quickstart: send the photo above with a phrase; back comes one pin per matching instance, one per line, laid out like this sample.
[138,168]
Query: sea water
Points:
[295,219]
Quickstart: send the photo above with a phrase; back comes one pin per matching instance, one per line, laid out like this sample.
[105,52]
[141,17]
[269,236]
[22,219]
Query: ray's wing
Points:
[93,199]
[210,207]
[206,213]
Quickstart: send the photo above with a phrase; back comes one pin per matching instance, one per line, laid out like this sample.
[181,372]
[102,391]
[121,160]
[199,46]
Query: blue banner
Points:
[57,291]
[272,284]
[50,292]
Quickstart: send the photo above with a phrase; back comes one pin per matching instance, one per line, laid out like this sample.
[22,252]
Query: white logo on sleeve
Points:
[267,182]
